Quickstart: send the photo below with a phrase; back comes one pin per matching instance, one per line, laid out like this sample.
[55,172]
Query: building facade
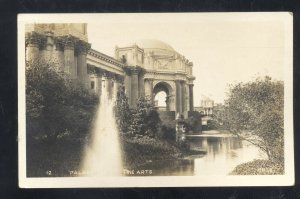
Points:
[145,68]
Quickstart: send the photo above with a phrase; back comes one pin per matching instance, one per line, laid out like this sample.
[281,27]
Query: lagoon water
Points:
[224,153]
[103,155]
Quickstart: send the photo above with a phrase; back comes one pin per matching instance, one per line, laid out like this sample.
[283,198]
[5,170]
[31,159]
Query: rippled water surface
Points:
[223,155]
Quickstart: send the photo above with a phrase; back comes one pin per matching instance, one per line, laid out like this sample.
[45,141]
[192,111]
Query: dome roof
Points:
[154,44]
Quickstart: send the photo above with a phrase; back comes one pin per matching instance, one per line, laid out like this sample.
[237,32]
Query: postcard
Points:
[155,100]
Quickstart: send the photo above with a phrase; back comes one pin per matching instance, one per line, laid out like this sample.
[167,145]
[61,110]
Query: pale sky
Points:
[224,49]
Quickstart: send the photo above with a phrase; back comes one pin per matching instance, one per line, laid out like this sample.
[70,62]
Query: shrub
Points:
[55,103]
[258,167]
[144,119]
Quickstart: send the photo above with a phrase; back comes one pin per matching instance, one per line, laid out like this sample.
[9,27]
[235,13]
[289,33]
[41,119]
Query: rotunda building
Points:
[154,66]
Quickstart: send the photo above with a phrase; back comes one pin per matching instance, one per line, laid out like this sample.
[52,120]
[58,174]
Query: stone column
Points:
[115,88]
[141,84]
[82,50]
[99,84]
[149,88]
[187,97]
[183,96]
[32,46]
[134,87]
[58,54]
[127,84]
[69,57]
[47,50]
[178,97]
[172,100]
[191,97]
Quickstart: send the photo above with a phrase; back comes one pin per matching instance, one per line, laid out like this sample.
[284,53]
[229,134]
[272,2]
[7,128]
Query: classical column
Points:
[99,84]
[127,84]
[149,88]
[172,100]
[82,49]
[141,84]
[32,46]
[178,96]
[183,96]
[69,57]
[115,87]
[191,97]
[134,87]
[47,48]
[58,53]
[187,97]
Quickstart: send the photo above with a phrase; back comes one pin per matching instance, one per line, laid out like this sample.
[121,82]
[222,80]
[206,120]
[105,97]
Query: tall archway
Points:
[161,93]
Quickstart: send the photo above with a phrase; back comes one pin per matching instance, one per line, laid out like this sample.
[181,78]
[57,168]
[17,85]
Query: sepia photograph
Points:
[155,100]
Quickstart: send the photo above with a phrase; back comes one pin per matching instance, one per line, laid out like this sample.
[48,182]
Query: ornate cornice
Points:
[82,47]
[33,38]
[127,70]
[59,43]
[72,43]
[69,42]
[106,58]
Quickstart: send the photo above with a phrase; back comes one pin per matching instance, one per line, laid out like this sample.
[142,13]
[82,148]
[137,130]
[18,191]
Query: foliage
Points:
[140,150]
[258,167]
[144,119]
[167,131]
[193,123]
[254,112]
[56,105]
[122,110]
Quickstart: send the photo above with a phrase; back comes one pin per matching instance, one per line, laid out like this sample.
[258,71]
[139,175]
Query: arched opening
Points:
[162,91]
[160,100]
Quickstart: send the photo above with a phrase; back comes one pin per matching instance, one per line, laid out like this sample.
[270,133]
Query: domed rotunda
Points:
[158,67]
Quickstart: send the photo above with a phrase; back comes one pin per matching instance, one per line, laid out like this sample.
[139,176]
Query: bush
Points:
[259,167]
[122,111]
[56,106]
[141,149]
[144,119]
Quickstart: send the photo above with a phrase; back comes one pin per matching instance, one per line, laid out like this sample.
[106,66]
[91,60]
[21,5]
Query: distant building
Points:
[206,107]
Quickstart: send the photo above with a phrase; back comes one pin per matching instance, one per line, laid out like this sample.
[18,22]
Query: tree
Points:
[145,119]
[122,110]
[254,112]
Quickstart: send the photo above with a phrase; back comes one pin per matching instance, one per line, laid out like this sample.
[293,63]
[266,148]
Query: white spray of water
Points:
[103,154]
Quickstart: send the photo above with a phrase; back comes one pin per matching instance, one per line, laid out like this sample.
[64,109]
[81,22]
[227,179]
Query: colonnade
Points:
[102,79]
[68,52]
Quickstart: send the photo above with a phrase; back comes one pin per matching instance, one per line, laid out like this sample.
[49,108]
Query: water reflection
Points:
[223,154]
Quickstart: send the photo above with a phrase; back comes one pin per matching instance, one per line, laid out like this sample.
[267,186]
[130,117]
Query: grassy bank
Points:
[140,150]
[259,167]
